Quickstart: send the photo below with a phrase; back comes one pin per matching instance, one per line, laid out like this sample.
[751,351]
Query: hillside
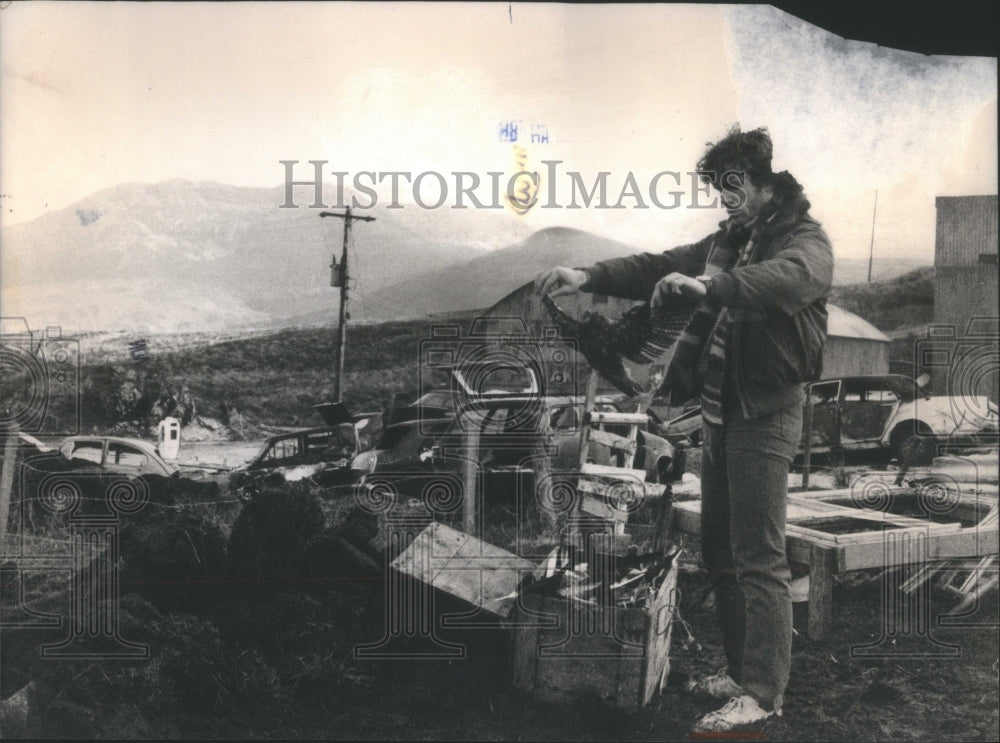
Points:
[485,280]
[180,255]
[905,301]
[206,257]
[482,281]
[275,378]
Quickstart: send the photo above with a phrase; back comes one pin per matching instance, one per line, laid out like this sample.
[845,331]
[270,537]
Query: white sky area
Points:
[96,94]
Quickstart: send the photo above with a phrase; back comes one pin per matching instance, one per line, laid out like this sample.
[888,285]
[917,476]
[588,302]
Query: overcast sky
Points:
[97,94]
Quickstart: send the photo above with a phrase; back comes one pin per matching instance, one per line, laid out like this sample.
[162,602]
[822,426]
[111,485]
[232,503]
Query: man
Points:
[756,336]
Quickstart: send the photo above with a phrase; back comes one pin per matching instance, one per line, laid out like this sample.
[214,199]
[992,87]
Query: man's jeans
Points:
[744,498]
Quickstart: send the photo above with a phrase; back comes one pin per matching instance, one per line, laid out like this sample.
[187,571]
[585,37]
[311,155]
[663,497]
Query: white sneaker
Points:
[737,712]
[719,685]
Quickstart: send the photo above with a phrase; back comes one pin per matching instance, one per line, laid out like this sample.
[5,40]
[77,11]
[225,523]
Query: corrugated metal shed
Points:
[853,346]
[966,230]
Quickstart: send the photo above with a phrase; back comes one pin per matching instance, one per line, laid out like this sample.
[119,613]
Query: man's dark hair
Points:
[748,152]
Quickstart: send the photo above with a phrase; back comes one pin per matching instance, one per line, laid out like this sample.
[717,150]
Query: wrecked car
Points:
[893,413]
[512,430]
[888,412]
[117,454]
[685,428]
[323,454]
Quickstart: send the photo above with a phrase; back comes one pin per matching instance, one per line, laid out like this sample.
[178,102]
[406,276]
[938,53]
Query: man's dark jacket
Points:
[778,302]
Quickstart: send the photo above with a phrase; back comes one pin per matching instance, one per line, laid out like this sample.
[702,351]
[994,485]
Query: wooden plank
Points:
[632,419]
[865,537]
[822,494]
[617,487]
[597,652]
[623,663]
[868,514]
[498,572]
[422,559]
[619,443]
[807,431]
[599,487]
[810,535]
[10,442]
[818,535]
[588,404]
[618,473]
[598,507]
[796,511]
[821,571]
[470,477]
[662,613]
[633,435]
[686,518]
[972,542]
[463,566]
[880,518]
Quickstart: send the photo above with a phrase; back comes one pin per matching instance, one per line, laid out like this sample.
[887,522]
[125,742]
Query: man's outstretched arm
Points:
[631,277]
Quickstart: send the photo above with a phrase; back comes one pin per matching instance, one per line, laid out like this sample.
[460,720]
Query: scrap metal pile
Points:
[628,581]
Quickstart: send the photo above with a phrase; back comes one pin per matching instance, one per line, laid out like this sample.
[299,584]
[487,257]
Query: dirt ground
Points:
[252,618]
[835,692]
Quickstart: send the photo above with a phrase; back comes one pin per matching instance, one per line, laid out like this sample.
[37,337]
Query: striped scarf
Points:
[699,360]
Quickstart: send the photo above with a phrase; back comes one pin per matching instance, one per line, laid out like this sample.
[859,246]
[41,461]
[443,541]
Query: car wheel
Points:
[914,447]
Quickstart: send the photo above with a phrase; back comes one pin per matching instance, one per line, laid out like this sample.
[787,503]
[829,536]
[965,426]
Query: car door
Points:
[86,451]
[129,460]
[825,400]
[283,452]
[862,412]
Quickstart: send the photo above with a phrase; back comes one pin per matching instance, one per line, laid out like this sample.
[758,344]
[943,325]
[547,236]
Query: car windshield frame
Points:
[903,387]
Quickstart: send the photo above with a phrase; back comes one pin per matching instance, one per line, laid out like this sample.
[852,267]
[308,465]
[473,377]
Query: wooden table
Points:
[819,535]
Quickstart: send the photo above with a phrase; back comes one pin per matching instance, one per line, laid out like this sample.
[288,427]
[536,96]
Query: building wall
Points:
[966,230]
[964,292]
[962,351]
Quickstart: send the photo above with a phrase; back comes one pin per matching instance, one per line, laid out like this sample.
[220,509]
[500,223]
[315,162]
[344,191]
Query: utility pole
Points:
[338,278]
[871,249]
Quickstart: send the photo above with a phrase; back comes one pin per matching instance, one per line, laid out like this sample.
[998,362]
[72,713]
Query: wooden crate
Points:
[465,567]
[569,651]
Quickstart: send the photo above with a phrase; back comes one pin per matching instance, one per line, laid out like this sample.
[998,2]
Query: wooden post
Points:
[820,592]
[9,439]
[339,277]
[807,426]
[470,479]
[588,405]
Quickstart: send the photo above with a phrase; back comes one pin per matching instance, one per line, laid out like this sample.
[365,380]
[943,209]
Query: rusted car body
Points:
[117,454]
[891,412]
[887,412]
[512,433]
[323,454]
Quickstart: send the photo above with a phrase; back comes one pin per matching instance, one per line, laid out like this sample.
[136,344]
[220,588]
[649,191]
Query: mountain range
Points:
[191,256]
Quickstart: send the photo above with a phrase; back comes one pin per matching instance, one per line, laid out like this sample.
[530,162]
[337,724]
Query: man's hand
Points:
[560,280]
[676,284]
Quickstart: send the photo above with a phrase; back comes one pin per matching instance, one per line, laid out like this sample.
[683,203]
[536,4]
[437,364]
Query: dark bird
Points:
[641,335]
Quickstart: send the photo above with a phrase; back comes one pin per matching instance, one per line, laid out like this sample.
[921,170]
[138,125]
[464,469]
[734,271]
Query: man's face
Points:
[743,202]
